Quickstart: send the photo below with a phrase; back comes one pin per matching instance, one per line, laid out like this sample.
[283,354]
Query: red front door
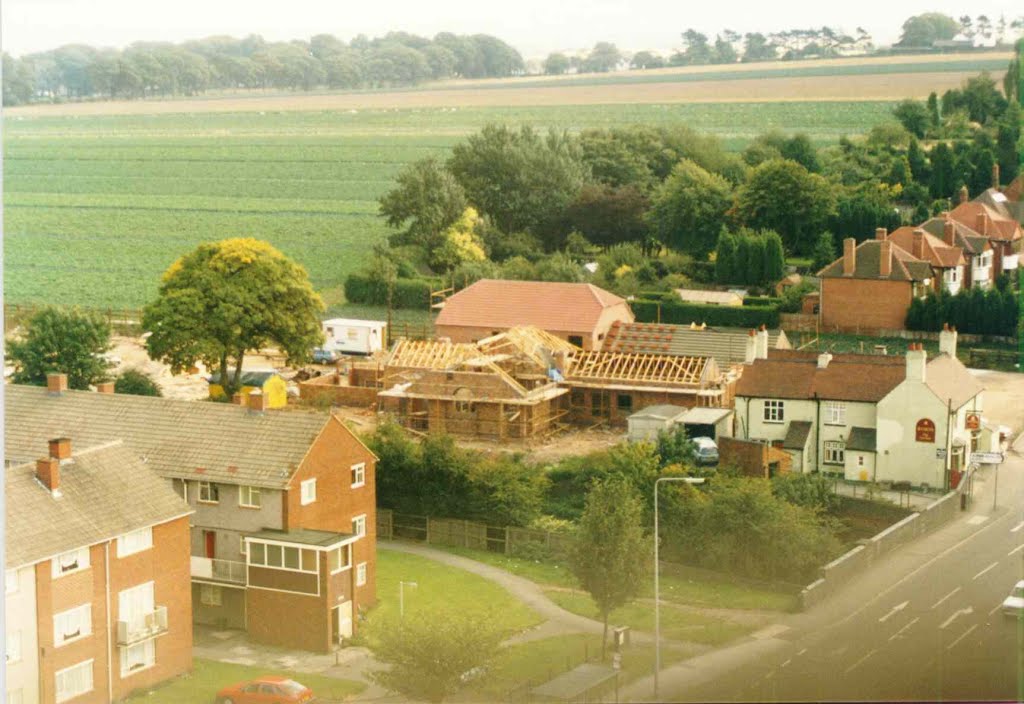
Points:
[210,538]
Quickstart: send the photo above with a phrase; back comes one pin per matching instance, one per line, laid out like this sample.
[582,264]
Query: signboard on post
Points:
[925,430]
[987,457]
[973,421]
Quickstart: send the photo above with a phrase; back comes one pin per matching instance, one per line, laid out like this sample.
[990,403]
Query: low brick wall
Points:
[327,387]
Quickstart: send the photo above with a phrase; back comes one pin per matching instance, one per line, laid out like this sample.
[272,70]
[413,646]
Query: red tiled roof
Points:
[936,252]
[999,227]
[848,377]
[492,303]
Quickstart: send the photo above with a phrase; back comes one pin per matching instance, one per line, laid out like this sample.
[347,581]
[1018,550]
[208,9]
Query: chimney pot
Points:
[48,473]
[56,382]
[881,233]
[105,387]
[849,256]
[60,448]
[257,401]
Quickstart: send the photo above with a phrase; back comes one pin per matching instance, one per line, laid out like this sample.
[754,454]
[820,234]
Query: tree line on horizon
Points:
[77,72]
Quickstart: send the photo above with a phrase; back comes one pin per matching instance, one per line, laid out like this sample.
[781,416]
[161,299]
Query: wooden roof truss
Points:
[429,354]
[641,368]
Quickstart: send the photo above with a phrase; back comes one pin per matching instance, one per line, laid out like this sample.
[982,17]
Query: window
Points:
[339,559]
[774,412]
[834,452]
[249,497]
[70,562]
[209,493]
[137,657]
[576,340]
[10,581]
[358,474]
[283,557]
[835,413]
[360,574]
[359,525]
[860,460]
[131,543]
[624,402]
[308,488]
[13,646]
[72,624]
[133,605]
[210,595]
[73,681]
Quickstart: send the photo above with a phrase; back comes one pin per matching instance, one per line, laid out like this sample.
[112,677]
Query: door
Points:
[210,543]
[341,622]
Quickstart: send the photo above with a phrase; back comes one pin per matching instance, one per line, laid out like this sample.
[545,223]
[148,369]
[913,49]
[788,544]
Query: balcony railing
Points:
[142,628]
[219,570]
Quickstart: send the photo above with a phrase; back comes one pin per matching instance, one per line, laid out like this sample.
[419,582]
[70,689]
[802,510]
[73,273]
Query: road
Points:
[921,624]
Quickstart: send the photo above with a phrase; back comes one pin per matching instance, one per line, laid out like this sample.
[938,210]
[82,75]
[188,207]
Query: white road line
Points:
[896,635]
[895,610]
[977,520]
[995,608]
[860,662]
[984,570]
[1017,527]
[940,601]
[964,635]
[962,612]
[786,663]
[1016,549]
[802,651]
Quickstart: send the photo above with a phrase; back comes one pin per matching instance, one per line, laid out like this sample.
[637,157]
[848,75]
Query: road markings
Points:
[1016,549]
[984,571]
[962,612]
[977,520]
[802,651]
[965,634]
[770,631]
[1017,527]
[860,662]
[786,663]
[995,608]
[895,610]
[939,602]
[897,634]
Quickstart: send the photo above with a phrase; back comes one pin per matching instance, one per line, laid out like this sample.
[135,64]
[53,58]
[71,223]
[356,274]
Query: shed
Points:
[710,298]
[268,381]
[351,336]
[644,425]
[588,682]
[711,423]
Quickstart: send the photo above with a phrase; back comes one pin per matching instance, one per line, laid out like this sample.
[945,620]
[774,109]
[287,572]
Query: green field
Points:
[97,207]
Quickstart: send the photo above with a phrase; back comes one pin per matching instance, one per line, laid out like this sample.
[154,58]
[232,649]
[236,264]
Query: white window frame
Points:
[136,541]
[358,475]
[259,555]
[835,413]
[774,411]
[360,574]
[148,648]
[334,558]
[834,449]
[81,616]
[211,595]
[63,694]
[135,603]
[307,491]
[12,582]
[359,525]
[246,494]
[241,545]
[81,555]
[12,647]
[211,490]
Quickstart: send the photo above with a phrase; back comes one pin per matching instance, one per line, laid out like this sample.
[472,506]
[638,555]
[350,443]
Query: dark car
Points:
[265,690]
[324,356]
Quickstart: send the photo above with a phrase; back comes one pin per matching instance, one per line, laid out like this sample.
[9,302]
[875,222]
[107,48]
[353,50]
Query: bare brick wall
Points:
[288,620]
[852,305]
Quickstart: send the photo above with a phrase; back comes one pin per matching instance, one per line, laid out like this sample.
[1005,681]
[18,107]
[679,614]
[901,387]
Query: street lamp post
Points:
[657,585]
[401,597]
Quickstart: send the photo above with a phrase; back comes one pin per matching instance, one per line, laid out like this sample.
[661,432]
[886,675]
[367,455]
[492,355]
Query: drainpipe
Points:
[110,648]
[817,431]
[949,446]
[746,427]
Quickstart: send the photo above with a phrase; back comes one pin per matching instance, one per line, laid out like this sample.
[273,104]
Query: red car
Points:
[265,690]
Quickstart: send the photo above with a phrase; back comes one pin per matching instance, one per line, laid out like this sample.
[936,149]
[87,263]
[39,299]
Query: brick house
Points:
[97,597]
[947,262]
[246,472]
[977,250]
[871,286]
[990,216]
[865,417]
[578,313]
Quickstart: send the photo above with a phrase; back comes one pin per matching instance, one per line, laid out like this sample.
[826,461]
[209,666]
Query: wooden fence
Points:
[454,532]
[125,321]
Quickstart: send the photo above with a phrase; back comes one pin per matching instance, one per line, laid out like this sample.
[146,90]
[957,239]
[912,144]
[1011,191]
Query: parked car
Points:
[706,451]
[1013,605]
[265,690]
[325,356]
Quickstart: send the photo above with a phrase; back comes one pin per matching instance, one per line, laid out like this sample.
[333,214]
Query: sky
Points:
[535,27]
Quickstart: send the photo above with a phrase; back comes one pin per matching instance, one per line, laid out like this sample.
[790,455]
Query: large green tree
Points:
[425,201]
[924,29]
[689,209]
[70,342]
[610,556]
[225,298]
[782,195]
[608,215]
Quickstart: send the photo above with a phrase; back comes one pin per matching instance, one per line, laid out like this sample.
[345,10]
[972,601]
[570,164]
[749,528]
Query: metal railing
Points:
[143,627]
[220,570]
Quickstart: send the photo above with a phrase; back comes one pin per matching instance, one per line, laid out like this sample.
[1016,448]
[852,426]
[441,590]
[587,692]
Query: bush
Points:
[136,383]
[407,293]
[975,311]
[680,313]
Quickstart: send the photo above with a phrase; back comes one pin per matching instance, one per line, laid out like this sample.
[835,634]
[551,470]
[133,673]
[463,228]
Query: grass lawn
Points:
[681,588]
[440,589]
[539,661]
[208,676]
[676,624]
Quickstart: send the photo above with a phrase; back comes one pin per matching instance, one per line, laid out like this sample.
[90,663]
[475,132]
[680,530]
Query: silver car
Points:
[1013,605]
[706,452]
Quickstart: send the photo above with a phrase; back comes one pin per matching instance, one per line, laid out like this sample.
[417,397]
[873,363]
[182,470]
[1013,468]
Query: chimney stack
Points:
[849,256]
[762,343]
[881,233]
[257,401]
[947,340]
[917,361]
[885,259]
[964,194]
[60,449]
[995,176]
[104,387]
[48,473]
[981,224]
[56,382]
[750,353]
[238,398]
[823,359]
[918,248]
[949,231]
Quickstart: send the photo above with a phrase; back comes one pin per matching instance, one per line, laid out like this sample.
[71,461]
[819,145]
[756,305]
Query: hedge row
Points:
[408,293]
[681,313]
[762,301]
